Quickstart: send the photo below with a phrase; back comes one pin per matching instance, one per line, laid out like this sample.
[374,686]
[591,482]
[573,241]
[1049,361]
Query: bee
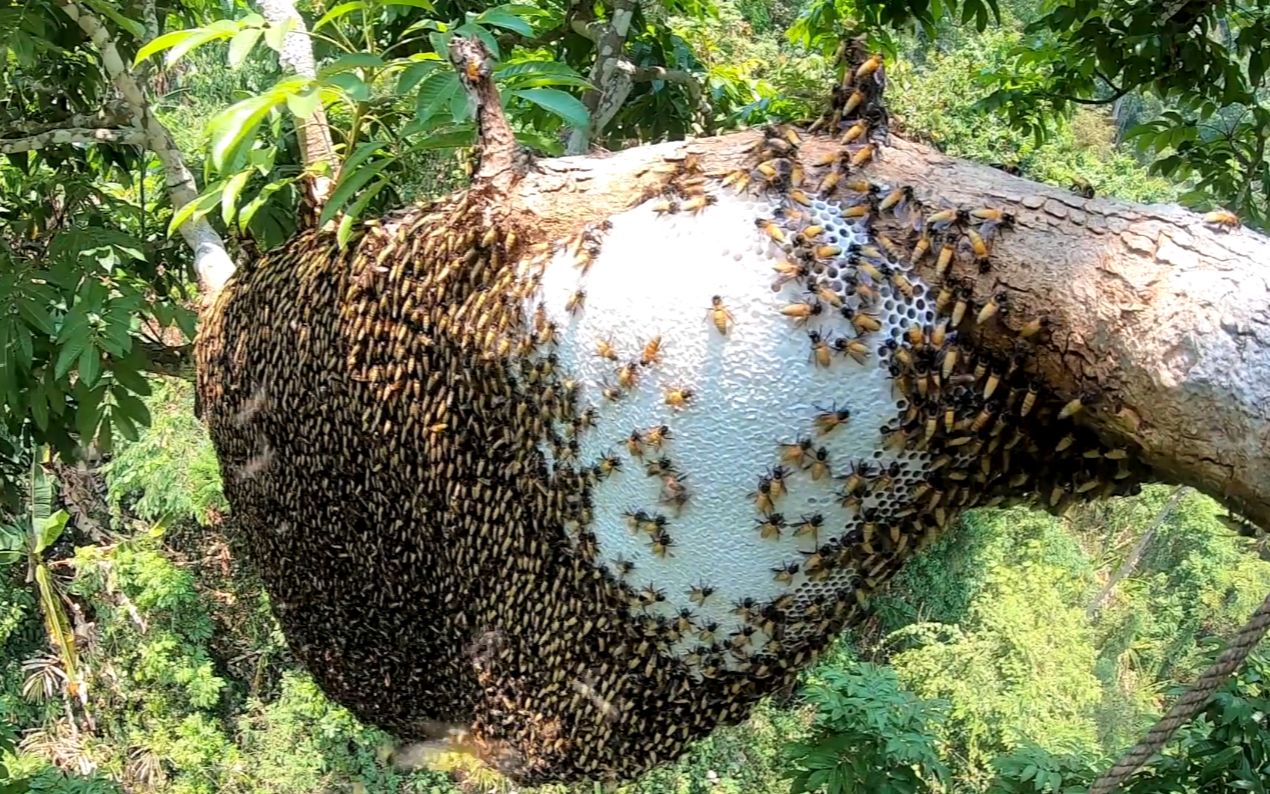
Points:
[949,362]
[777,477]
[853,102]
[856,348]
[945,217]
[828,294]
[944,260]
[915,335]
[604,349]
[901,283]
[610,392]
[959,308]
[574,304]
[819,349]
[896,199]
[635,519]
[801,312]
[719,315]
[980,248]
[698,203]
[652,352]
[892,248]
[659,467]
[868,67]
[1072,408]
[666,206]
[875,273]
[654,436]
[651,595]
[855,132]
[863,322]
[763,497]
[608,464]
[827,251]
[678,398]
[794,452]
[624,567]
[920,248]
[772,230]
[863,156]
[626,375]
[1033,327]
[587,418]
[810,526]
[1065,442]
[700,593]
[990,385]
[1222,219]
[830,418]
[800,197]
[992,215]
[771,525]
[661,545]
[548,334]
[708,632]
[673,491]
[994,304]
[809,233]
[945,297]
[820,464]
[791,271]
[785,573]
[635,444]
[861,185]
[738,180]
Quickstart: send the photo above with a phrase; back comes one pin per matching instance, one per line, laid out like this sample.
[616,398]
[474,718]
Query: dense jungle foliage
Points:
[1020,654]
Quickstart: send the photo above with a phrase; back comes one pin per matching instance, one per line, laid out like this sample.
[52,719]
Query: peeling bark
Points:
[1165,317]
[59,137]
[317,151]
[212,262]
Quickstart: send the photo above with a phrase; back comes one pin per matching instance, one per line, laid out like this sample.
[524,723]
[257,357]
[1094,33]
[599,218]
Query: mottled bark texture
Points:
[1161,318]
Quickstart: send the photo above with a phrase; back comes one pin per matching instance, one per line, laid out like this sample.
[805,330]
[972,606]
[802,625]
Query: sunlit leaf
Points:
[241,44]
[229,195]
[231,130]
[566,106]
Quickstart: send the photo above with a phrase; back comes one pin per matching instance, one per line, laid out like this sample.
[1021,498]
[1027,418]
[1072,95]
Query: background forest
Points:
[1021,653]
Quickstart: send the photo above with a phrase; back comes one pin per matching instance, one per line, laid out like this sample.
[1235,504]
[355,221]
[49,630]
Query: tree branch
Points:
[678,76]
[612,82]
[212,262]
[316,147]
[116,114]
[58,137]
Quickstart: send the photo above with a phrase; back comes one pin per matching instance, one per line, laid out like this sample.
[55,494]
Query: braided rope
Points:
[1189,704]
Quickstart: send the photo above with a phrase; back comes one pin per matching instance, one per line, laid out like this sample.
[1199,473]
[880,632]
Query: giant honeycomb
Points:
[583,500]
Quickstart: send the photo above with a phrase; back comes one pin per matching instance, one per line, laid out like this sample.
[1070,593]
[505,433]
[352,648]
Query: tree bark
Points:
[59,137]
[317,151]
[212,262]
[1164,316]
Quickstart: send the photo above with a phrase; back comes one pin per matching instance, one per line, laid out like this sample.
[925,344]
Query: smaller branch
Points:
[498,164]
[649,73]
[116,114]
[317,150]
[131,137]
[591,30]
[611,76]
[1130,563]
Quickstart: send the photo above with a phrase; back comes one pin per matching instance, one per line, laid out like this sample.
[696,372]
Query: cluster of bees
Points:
[426,562]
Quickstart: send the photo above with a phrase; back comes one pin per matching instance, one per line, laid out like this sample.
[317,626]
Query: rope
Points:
[1189,704]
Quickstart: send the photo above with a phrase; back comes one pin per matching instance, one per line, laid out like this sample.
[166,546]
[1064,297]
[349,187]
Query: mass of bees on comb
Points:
[518,485]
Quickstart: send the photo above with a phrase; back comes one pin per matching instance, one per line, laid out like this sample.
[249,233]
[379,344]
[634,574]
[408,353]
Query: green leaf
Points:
[305,103]
[36,316]
[424,4]
[353,86]
[241,45]
[435,93]
[340,10]
[412,74]
[232,129]
[534,74]
[107,9]
[345,229]
[90,365]
[48,530]
[197,207]
[229,195]
[69,353]
[350,61]
[502,17]
[566,106]
[351,180]
[274,34]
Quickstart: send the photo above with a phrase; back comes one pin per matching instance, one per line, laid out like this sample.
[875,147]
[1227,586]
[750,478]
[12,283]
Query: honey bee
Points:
[820,464]
[827,251]
[863,322]
[626,375]
[901,283]
[830,418]
[853,102]
[652,351]
[896,199]
[604,349]
[949,362]
[794,452]
[990,385]
[1072,408]
[700,593]
[855,132]
[696,204]
[1222,219]
[785,573]
[809,233]
[610,392]
[801,312]
[651,595]
[574,304]
[665,206]
[635,444]
[992,215]
[635,519]
[624,567]
[776,233]
[719,315]
[738,180]
[868,67]
[708,632]
[819,349]
[810,526]
[861,185]
[1033,327]
[673,492]
[856,348]
[945,217]
[655,436]
[763,497]
[959,308]
[863,156]
[770,526]
[791,271]
[915,336]
[944,260]
[920,248]
[660,467]
[661,544]
[980,248]
[608,464]
[1065,442]
[1029,400]
[994,304]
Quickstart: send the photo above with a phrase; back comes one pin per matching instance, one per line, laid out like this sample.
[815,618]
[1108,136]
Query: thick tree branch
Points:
[1165,317]
[116,114]
[677,76]
[43,140]
[611,80]
[212,262]
[316,148]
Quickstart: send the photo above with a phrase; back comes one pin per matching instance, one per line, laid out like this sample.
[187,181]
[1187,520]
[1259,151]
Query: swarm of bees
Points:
[448,573]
